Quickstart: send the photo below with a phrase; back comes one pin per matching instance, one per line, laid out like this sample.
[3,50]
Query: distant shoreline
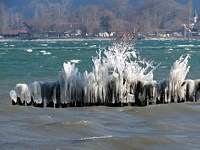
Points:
[86,39]
[165,39]
[54,39]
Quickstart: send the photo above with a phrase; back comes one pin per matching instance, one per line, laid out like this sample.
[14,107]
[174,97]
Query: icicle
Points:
[23,93]
[197,90]
[70,84]
[13,96]
[36,92]
[177,76]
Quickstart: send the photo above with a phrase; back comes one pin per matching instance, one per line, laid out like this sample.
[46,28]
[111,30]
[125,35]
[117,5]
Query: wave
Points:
[96,137]
[189,45]
[93,46]
[45,52]
[29,50]
[75,61]
[81,122]
[12,45]
[44,45]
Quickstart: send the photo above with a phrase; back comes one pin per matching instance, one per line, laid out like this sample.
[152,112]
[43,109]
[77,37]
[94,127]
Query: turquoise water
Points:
[171,126]
[167,52]
[17,63]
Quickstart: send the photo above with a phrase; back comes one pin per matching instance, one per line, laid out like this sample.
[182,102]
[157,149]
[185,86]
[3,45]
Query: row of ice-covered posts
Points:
[62,93]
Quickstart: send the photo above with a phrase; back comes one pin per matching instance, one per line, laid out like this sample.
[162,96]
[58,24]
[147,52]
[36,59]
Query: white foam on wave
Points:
[187,49]
[170,49]
[93,46]
[29,50]
[12,45]
[45,45]
[81,122]
[45,52]
[192,51]
[164,66]
[189,45]
[96,137]
[75,61]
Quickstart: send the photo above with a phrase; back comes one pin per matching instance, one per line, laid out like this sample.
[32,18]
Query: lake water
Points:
[169,126]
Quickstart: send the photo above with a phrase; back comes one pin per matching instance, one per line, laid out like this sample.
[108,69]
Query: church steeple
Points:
[195,16]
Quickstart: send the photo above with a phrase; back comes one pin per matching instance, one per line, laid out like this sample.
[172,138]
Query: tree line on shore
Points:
[110,16]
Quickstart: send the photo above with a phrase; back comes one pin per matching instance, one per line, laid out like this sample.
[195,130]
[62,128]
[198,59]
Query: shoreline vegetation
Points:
[85,39]
[52,39]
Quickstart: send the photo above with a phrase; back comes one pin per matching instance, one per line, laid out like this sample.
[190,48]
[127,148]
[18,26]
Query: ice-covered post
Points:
[177,76]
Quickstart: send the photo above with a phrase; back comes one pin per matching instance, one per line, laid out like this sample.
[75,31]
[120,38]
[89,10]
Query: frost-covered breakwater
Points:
[119,77]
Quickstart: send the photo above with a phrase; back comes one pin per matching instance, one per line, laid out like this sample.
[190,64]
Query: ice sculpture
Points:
[119,77]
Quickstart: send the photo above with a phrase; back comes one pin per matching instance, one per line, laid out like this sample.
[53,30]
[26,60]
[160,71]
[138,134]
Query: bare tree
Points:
[1,16]
[119,7]
[145,15]
[16,20]
[152,14]
[51,15]
[89,18]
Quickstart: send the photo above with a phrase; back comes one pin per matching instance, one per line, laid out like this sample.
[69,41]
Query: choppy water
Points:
[170,126]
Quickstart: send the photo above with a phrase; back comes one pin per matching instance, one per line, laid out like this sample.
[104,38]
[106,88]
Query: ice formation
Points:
[177,76]
[119,77]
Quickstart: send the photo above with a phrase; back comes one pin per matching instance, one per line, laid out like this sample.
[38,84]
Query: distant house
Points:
[16,33]
[50,34]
